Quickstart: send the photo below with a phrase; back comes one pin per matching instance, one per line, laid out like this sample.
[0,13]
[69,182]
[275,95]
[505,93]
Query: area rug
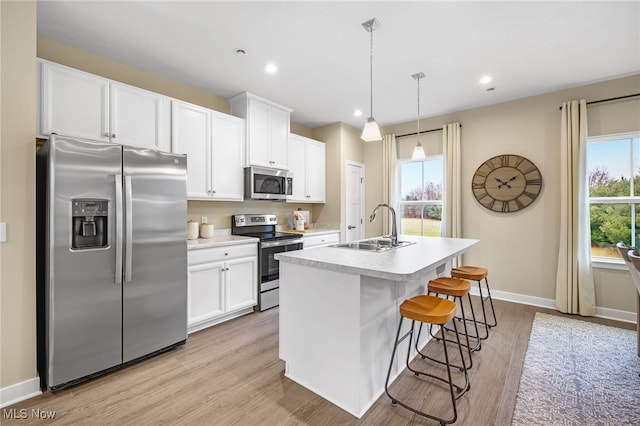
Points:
[578,373]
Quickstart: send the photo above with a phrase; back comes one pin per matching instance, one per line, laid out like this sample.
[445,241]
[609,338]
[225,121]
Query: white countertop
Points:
[399,264]
[219,241]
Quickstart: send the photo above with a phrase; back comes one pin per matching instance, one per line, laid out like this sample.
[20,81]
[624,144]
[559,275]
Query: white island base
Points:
[338,318]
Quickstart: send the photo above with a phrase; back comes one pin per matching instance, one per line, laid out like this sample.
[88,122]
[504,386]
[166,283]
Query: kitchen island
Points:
[339,312]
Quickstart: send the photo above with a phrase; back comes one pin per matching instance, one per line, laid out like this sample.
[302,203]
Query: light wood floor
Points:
[230,374]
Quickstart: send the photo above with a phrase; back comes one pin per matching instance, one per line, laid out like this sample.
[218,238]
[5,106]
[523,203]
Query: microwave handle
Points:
[288,186]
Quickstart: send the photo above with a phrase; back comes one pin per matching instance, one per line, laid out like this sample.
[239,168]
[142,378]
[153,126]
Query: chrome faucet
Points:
[394,230]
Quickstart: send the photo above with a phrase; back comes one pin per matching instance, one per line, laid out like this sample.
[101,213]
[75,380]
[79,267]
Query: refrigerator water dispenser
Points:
[89,224]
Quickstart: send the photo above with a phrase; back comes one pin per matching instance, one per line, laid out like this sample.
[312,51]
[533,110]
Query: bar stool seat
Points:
[456,288]
[474,273]
[478,273]
[430,310]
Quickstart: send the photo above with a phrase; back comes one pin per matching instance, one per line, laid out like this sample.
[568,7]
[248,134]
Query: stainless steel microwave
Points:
[261,183]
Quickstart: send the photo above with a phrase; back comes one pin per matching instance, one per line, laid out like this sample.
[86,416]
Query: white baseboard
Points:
[19,392]
[614,314]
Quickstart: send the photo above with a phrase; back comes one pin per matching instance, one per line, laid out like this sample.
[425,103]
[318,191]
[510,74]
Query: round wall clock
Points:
[506,183]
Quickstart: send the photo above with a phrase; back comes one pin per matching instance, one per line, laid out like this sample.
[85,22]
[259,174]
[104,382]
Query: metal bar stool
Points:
[478,273]
[430,310]
[456,289]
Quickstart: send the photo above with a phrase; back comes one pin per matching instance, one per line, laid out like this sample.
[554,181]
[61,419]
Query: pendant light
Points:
[418,151]
[371,131]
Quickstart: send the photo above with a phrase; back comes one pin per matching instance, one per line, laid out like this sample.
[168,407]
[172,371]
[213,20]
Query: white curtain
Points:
[575,292]
[389,181]
[451,211]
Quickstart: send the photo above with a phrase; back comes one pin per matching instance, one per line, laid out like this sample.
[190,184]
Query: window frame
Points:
[633,201]
[423,203]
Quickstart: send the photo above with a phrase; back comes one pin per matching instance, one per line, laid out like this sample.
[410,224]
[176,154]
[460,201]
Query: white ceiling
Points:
[322,50]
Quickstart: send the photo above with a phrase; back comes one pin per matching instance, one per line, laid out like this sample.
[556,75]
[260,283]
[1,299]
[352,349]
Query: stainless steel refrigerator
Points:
[111,257]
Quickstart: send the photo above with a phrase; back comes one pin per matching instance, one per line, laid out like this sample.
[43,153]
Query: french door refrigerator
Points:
[111,257]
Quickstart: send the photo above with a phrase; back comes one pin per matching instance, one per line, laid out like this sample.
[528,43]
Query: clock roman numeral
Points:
[481,194]
[530,195]
[520,161]
[490,204]
[504,160]
[534,181]
[505,207]
[529,169]
[477,186]
[519,203]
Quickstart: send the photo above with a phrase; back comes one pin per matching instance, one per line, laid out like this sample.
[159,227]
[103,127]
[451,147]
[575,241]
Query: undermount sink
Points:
[375,245]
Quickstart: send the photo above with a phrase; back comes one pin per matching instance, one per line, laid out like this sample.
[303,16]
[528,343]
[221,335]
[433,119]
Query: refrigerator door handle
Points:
[118,211]
[128,228]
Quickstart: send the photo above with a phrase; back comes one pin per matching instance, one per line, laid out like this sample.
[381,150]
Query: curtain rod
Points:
[611,99]
[421,132]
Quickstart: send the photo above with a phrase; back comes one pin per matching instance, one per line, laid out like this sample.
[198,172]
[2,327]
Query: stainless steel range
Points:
[263,226]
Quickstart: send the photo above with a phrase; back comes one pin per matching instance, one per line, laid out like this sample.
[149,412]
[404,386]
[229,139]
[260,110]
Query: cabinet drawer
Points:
[216,254]
[321,240]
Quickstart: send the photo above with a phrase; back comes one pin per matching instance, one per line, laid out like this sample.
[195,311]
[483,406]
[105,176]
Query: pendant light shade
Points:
[418,151]
[371,131]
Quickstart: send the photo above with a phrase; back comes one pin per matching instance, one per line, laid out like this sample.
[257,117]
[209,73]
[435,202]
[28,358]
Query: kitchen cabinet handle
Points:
[113,135]
[351,227]
[106,134]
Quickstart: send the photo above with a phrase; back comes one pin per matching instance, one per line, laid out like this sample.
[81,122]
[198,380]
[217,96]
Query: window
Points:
[613,171]
[421,196]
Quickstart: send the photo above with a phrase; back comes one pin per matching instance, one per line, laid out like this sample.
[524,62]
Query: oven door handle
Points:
[281,243]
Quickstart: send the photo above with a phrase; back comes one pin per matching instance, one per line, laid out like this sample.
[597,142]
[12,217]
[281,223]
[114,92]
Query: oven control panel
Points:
[254,219]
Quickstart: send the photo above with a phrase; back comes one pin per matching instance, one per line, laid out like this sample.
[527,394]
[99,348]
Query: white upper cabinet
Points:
[214,144]
[267,125]
[308,164]
[76,103]
[73,103]
[191,135]
[137,117]
[227,157]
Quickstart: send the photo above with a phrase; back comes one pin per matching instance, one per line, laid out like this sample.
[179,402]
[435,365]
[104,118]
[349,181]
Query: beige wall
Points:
[520,249]
[332,137]
[17,192]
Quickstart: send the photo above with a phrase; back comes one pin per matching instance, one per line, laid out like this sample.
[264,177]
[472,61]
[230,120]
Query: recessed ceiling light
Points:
[357,113]
[270,68]
[486,79]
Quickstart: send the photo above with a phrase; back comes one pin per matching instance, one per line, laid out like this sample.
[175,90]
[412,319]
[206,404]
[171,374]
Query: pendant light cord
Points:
[371,71]
[418,78]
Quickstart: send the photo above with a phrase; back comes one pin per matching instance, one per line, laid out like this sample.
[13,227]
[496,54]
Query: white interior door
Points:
[354,228]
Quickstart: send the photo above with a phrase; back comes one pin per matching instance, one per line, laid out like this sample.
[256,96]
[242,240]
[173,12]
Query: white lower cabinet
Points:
[322,240]
[223,284]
